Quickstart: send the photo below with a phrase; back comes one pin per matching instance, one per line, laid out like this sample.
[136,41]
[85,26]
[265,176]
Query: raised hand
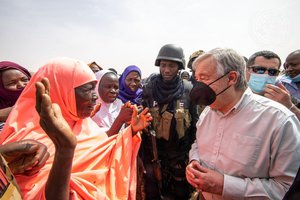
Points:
[52,121]
[140,121]
[125,113]
[278,93]
[25,157]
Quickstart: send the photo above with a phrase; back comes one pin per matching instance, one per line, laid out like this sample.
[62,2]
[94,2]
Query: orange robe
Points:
[103,167]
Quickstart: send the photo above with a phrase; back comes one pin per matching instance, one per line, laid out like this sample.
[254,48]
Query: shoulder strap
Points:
[185,98]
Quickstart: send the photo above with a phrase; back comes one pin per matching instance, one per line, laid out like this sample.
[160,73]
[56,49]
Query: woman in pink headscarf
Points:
[13,79]
[84,163]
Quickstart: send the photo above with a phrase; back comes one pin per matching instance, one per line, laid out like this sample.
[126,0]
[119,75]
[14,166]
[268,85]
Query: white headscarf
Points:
[108,111]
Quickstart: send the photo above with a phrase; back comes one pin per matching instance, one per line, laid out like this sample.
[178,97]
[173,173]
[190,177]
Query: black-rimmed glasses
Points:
[262,70]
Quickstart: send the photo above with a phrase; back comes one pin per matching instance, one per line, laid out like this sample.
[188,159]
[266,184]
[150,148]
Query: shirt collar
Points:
[285,79]
[240,104]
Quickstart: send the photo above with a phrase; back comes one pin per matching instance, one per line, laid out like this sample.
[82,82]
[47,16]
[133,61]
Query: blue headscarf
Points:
[125,94]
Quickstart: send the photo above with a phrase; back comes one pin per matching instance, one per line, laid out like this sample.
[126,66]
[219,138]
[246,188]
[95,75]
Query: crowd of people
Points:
[227,129]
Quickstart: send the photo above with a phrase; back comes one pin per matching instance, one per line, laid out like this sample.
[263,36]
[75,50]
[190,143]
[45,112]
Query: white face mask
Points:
[257,82]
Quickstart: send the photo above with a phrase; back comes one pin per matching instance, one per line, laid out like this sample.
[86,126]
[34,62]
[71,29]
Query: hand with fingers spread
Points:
[204,179]
[140,121]
[25,157]
[52,121]
[278,93]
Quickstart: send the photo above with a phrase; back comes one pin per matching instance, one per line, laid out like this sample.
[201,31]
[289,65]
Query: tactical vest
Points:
[162,116]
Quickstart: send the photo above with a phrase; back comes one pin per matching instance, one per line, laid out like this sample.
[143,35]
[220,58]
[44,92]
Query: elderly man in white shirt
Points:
[247,146]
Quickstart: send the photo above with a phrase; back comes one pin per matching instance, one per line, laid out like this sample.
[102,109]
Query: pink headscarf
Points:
[8,98]
[100,164]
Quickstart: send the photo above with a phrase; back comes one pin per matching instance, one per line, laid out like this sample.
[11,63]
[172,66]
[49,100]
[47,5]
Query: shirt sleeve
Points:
[193,154]
[284,163]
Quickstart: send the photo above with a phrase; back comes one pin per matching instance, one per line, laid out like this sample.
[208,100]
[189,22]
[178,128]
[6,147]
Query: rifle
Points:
[155,161]
[147,96]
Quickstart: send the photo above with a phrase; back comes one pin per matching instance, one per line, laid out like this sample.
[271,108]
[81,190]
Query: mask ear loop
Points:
[223,90]
[219,79]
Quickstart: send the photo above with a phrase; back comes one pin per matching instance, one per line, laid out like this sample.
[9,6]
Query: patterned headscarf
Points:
[8,98]
[125,94]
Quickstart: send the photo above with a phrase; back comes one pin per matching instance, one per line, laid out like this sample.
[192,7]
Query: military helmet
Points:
[171,52]
[193,57]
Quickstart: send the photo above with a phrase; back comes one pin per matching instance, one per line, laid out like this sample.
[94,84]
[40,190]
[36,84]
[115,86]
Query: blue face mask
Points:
[257,82]
[295,79]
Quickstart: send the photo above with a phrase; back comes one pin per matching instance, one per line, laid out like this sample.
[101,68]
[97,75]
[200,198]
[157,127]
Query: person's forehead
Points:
[10,73]
[87,85]
[133,74]
[168,62]
[94,66]
[109,76]
[108,81]
[207,64]
[265,62]
[294,58]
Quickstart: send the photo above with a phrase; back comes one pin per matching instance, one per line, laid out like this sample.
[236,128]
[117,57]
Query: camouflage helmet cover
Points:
[193,57]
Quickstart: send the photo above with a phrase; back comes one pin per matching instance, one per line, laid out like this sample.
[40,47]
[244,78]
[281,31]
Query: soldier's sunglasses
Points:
[262,70]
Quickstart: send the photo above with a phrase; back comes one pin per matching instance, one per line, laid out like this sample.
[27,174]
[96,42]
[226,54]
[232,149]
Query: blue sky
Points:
[118,33]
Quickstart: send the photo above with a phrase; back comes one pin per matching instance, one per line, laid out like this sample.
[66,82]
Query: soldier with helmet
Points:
[191,60]
[174,124]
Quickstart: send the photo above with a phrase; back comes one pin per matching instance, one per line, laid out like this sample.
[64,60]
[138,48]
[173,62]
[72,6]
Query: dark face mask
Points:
[202,94]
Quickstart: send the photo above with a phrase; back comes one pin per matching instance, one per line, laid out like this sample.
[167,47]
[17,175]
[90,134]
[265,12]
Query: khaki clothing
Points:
[9,189]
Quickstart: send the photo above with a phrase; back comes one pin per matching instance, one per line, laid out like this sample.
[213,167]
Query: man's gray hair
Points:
[227,60]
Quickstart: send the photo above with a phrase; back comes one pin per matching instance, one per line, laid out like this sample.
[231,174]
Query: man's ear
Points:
[233,77]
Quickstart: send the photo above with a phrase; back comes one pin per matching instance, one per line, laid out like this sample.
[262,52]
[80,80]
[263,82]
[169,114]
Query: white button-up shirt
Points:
[256,145]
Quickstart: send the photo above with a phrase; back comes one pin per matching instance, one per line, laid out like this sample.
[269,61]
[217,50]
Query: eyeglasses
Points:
[262,70]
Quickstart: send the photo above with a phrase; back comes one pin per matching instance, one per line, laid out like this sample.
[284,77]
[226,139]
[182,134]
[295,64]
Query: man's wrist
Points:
[194,160]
